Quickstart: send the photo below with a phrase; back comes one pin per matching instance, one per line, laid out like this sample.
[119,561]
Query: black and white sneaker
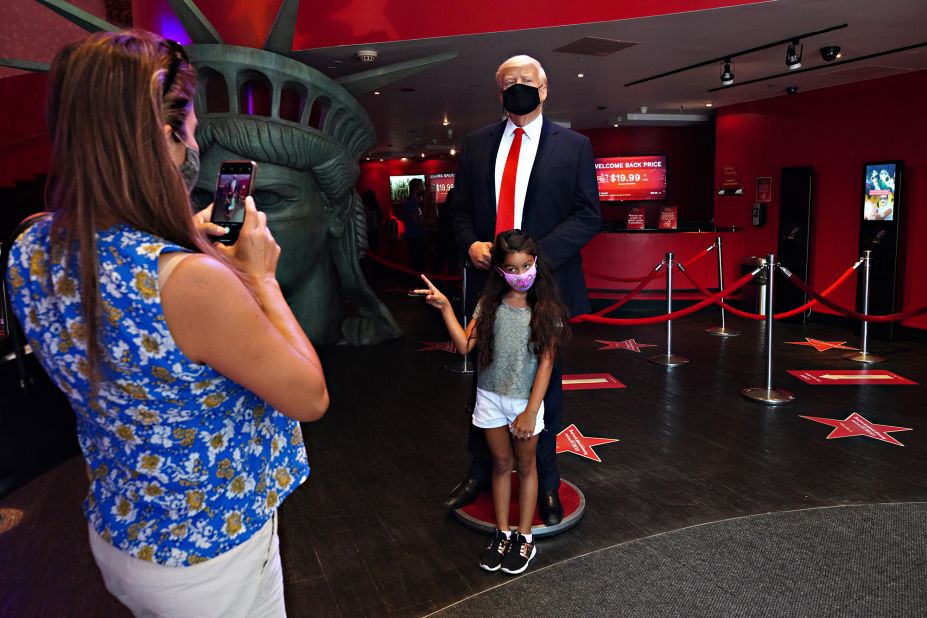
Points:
[518,556]
[491,558]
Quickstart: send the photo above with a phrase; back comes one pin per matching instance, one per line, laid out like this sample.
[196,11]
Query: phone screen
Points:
[235,183]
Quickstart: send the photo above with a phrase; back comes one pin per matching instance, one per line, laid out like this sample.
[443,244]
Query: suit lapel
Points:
[546,147]
[495,138]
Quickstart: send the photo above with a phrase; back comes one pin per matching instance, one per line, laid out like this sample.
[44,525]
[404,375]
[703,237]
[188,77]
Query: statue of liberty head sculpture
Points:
[306,132]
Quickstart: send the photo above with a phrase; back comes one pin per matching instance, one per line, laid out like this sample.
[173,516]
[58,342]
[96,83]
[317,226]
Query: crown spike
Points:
[79,17]
[25,65]
[280,37]
[194,22]
[366,81]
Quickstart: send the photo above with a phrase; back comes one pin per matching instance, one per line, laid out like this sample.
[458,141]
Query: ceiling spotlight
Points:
[376,92]
[793,57]
[423,155]
[453,151]
[830,53]
[727,73]
[580,75]
[792,89]
[708,104]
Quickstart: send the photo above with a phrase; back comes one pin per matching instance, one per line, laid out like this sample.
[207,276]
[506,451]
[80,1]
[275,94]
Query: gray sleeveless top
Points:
[514,365]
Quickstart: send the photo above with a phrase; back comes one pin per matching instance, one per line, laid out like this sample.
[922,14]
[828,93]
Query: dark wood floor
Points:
[367,535]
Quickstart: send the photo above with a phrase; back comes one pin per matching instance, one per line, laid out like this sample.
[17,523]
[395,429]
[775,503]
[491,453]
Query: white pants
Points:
[245,581]
[494,410]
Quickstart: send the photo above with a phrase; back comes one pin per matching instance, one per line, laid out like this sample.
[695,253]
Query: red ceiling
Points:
[352,22]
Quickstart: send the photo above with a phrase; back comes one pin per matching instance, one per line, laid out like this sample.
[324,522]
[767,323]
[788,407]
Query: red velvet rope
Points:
[627,297]
[892,317]
[409,271]
[778,316]
[651,275]
[669,316]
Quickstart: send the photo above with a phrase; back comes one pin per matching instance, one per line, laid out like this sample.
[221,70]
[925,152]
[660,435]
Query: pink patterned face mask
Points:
[522,282]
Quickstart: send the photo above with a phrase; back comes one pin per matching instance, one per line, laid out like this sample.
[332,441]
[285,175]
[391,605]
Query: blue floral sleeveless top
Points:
[185,463]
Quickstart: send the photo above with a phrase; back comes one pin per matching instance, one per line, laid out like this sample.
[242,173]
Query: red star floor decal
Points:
[855,425]
[822,346]
[438,346]
[571,440]
[627,344]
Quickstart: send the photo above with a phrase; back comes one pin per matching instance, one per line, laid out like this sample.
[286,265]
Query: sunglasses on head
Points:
[177,53]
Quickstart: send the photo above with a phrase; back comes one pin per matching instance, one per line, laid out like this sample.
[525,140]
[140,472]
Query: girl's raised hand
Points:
[433,295]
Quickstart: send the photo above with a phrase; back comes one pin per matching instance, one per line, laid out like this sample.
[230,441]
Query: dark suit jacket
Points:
[561,205]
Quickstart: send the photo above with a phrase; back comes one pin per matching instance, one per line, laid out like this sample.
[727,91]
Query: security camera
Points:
[830,52]
[792,89]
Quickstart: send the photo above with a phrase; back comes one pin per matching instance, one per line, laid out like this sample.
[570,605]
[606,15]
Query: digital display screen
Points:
[623,179]
[231,191]
[399,186]
[879,198]
[439,185]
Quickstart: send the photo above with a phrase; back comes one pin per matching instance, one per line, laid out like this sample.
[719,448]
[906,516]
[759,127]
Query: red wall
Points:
[688,153]
[835,130]
[689,167]
[25,149]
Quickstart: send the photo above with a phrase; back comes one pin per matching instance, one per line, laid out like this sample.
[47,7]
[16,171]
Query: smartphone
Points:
[235,183]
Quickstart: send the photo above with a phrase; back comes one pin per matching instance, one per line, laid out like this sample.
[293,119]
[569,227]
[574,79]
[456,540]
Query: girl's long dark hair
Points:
[549,328]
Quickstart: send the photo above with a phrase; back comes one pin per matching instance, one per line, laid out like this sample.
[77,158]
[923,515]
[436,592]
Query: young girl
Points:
[519,322]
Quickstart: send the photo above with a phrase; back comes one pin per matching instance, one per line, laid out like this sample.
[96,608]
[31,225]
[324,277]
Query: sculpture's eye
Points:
[267,200]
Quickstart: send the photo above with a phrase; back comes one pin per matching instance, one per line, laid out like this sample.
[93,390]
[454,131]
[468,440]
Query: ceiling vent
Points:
[594,46]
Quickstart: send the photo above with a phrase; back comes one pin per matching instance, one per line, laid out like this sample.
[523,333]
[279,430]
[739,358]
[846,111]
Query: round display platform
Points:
[478,515]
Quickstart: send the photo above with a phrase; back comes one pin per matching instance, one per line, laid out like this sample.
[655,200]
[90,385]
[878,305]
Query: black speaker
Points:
[793,250]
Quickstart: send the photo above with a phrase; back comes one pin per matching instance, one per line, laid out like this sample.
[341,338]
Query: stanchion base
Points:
[479,514]
[772,396]
[460,368]
[722,331]
[864,357]
[668,360]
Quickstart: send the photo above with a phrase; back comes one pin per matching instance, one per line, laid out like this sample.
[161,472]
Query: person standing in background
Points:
[412,218]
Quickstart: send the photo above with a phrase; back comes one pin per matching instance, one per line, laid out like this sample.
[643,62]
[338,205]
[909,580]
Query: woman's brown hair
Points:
[549,328]
[107,108]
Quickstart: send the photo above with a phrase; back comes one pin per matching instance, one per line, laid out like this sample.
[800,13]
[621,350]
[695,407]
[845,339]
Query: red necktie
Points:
[505,211]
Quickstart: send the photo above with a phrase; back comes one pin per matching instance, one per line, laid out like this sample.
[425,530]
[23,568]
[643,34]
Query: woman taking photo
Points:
[186,370]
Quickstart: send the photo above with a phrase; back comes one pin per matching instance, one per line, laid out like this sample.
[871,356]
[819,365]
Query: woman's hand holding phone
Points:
[201,221]
[255,253]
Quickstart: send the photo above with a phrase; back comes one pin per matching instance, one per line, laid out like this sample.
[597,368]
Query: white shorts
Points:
[495,410]
[245,582]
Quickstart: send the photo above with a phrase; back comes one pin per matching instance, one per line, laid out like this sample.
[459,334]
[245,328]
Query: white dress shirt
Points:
[526,156]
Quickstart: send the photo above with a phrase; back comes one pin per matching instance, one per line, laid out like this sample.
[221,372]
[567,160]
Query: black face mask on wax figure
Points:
[520,99]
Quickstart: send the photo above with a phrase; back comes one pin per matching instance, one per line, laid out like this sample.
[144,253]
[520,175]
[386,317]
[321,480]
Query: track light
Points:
[793,58]
[727,74]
